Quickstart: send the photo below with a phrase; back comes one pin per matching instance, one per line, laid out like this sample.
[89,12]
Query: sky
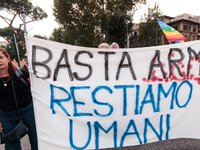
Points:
[171,8]
[168,7]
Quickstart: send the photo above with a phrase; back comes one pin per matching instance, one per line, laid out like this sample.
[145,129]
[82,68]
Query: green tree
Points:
[149,28]
[117,28]
[14,10]
[7,33]
[40,36]
[57,35]
[89,18]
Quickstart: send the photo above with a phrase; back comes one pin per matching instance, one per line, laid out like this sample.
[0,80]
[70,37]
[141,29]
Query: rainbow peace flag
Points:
[171,34]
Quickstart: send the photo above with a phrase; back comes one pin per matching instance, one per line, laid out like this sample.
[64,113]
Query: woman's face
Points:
[3,61]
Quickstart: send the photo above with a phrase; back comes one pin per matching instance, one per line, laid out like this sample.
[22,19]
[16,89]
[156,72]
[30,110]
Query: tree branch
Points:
[20,26]
[11,21]
[20,17]
[31,21]
[9,12]
[5,19]
[13,8]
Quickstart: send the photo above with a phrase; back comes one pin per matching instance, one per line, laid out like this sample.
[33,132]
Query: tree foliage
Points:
[66,36]
[117,28]
[57,35]
[7,33]
[89,18]
[14,10]
[40,36]
[149,28]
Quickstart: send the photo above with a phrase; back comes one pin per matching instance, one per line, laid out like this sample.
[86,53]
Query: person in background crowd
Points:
[104,45]
[8,112]
[114,45]
[25,67]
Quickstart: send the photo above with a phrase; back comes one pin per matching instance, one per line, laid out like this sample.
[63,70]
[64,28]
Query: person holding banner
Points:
[8,112]
[104,45]
[114,45]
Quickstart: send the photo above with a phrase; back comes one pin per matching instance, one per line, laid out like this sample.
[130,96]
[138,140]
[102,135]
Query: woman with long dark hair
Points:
[9,117]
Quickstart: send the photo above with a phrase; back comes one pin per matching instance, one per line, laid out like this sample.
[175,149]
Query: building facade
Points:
[187,25]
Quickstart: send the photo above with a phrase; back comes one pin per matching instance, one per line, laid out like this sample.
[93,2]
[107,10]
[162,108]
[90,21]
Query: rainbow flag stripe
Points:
[171,34]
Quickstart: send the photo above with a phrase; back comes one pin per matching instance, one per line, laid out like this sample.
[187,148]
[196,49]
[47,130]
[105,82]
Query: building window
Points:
[194,29]
[189,28]
[185,27]
[175,27]
[135,34]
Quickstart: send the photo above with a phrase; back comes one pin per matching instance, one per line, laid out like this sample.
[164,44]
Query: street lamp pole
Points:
[127,36]
[156,34]
[24,22]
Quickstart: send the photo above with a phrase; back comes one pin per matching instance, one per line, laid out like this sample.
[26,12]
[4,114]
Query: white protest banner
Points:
[90,98]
